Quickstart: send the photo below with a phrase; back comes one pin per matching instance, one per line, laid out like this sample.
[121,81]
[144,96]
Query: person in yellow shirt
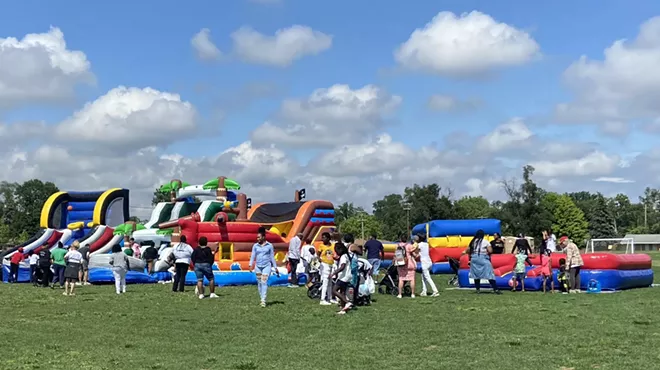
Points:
[326,250]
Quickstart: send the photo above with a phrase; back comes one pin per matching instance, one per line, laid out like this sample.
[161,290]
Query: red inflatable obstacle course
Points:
[612,271]
[441,254]
[604,261]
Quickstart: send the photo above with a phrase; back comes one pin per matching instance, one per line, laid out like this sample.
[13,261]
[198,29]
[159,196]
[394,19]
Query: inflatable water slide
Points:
[233,231]
[611,271]
[182,204]
[67,216]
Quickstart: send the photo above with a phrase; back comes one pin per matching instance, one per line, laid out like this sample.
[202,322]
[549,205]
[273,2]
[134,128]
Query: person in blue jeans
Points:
[263,260]
[202,258]
[375,253]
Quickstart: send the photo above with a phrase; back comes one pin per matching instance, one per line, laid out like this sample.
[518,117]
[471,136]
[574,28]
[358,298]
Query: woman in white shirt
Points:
[181,254]
[479,252]
[425,259]
[73,260]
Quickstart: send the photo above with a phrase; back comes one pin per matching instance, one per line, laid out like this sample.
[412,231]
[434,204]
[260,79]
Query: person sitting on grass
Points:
[561,276]
[343,277]
[202,259]
[263,260]
[73,260]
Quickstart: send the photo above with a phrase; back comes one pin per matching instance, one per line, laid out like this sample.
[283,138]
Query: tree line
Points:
[528,209]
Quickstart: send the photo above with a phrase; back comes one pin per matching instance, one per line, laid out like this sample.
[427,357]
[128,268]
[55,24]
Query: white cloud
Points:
[472,44]
[40,68]
[615,180]
[282,49]
[506,136]
[329,117]
[130,118]
[448,103]
[378,156]
[204,47]
[594,163]
[624,85]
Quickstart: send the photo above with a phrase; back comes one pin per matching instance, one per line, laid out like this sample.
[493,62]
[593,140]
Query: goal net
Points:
[614,245]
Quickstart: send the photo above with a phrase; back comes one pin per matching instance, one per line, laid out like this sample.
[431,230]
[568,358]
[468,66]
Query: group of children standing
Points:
[339,266]
[522,249]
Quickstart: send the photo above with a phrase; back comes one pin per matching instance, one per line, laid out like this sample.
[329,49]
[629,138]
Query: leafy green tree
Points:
[345,211]
[30,197]
[524,212]
[428,203]
[159,197]
[361,225]
[389,212]
[570,220]
[626,214]
[601,220]
[472,207]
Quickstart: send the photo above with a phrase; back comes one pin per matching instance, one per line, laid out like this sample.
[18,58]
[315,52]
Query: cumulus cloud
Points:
[507,136]
[282,49]
[466,45]
[40,68]
[329,116]
[204,47]
[129,117]
[623,86]
[595,163]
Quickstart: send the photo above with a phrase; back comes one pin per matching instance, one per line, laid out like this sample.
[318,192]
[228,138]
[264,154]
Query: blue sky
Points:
[147,44]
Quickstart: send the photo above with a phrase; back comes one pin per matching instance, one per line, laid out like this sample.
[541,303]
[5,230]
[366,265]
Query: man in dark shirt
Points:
[44,265]
[150,255]
[375,253]
[497,244]
[202,258]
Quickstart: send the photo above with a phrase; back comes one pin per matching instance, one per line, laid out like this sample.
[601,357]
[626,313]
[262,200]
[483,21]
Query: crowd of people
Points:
[480,251]
[337,266]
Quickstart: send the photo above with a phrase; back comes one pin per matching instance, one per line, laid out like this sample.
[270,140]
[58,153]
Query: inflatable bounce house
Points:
[229,223]
[67,216]
[610,271]
[449,238]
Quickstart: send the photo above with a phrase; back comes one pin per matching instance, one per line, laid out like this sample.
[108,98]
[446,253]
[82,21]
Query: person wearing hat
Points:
[574,263]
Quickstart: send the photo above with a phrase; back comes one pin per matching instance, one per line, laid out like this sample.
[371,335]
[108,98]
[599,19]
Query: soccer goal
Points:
[613,245]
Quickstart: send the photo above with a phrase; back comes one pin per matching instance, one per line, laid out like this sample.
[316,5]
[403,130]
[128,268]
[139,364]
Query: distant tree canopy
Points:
[529,209]
[20,208]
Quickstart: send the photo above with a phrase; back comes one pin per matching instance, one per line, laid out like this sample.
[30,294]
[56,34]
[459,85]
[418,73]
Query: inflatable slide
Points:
[69,216]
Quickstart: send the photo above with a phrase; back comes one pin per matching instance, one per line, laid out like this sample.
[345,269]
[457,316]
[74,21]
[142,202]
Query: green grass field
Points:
[152,328]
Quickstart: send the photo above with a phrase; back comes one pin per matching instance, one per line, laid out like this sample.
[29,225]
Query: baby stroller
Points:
[455,265]
[390,283]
